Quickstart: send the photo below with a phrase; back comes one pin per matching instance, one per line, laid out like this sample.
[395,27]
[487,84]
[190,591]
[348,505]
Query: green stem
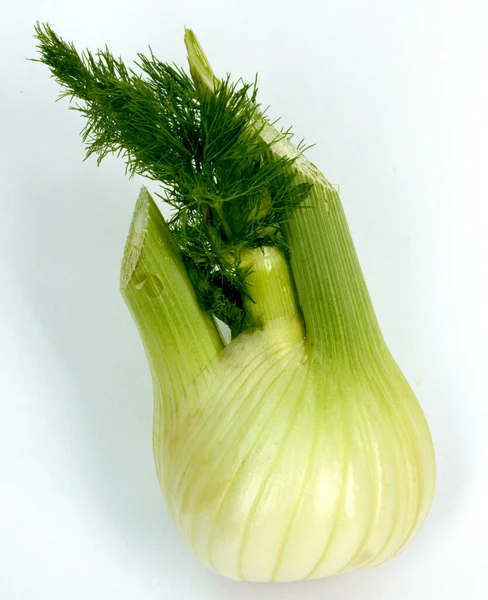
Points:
[339,316]
[272,295]
[179,339]
[223,221]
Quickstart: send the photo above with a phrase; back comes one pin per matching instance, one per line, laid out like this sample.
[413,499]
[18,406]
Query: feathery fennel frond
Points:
[227,189]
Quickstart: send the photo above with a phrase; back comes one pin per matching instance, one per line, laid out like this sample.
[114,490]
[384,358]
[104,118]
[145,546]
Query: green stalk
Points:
[180,340]
[340,319]
[272,294]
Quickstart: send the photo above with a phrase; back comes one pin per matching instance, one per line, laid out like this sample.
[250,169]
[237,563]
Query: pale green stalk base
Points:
[277,471]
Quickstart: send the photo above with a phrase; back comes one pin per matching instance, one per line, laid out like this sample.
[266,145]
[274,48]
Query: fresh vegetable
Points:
[297,450]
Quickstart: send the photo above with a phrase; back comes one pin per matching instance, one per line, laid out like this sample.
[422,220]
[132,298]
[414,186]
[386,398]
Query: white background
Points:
[394,95]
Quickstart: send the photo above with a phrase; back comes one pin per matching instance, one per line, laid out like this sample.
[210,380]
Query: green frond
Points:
[227,189]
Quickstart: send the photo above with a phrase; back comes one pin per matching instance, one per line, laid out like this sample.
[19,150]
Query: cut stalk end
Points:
[200,68]
[135,238]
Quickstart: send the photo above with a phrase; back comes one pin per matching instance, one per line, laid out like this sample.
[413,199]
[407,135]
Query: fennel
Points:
[298,450]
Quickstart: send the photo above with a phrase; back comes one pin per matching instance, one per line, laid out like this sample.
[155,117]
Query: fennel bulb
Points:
[298,450]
